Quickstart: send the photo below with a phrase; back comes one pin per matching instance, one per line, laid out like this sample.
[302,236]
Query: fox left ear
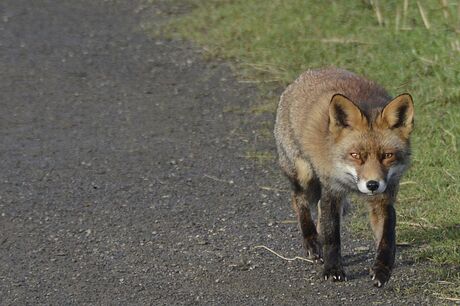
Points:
[344,114]
[399,114]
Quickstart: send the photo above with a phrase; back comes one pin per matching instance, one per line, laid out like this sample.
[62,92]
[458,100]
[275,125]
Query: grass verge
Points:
[407,46]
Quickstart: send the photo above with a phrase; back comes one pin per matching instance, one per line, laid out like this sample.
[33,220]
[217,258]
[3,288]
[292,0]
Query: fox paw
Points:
[313,249]
[336,273]
[380,276]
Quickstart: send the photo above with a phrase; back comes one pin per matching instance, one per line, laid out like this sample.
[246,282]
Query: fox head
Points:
[371,150]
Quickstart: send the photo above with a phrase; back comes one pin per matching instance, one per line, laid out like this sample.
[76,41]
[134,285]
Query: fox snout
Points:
[372,177]
[371,187]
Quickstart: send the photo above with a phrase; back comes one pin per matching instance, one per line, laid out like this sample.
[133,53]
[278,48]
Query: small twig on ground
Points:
[445,282]
[338,40]
[425,60]
[445,10]
[403,244]
[423,226]
[407,183]
[456,44]
[403,84]
[409,199]
[281,256]
[288,222]
[378,13]
[258,81]
[267,68]
[450,175]
[458,19]
[454,139]
[424,17]
[405,8]
[273,189]
[449,298]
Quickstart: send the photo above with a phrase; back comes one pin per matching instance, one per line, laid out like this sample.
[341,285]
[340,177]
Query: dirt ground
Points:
[125,179]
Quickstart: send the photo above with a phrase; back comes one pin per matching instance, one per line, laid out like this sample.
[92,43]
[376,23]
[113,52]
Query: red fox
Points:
[338,133]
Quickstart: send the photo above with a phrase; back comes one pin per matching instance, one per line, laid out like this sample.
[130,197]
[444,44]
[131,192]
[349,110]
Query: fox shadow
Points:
[358,264]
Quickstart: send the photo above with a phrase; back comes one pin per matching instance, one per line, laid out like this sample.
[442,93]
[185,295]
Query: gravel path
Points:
[124,178]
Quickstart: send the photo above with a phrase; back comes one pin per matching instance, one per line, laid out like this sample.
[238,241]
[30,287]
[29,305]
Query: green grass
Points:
[272,42]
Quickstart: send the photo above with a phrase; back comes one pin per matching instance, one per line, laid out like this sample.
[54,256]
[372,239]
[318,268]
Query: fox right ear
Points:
[343,113]
[399,114]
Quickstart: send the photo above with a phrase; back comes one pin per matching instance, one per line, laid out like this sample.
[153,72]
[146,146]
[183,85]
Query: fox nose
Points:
[372,185]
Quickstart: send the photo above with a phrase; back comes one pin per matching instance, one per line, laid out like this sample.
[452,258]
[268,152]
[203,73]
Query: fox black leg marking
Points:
[383,222]
[330,234]
[301,200]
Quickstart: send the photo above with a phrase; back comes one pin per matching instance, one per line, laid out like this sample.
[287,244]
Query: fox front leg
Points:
[383,223]
[302,198]
[330,235]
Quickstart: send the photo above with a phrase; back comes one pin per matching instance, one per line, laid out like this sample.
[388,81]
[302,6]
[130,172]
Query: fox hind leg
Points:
[331,210]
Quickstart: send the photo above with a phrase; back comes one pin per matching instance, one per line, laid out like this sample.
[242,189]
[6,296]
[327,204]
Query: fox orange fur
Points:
[339,133]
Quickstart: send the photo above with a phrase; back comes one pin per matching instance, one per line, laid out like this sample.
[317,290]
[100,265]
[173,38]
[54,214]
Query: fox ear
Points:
[399,114]
[343,113]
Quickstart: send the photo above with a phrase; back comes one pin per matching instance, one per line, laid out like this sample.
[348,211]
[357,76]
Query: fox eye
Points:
[387,155]
[355,155]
